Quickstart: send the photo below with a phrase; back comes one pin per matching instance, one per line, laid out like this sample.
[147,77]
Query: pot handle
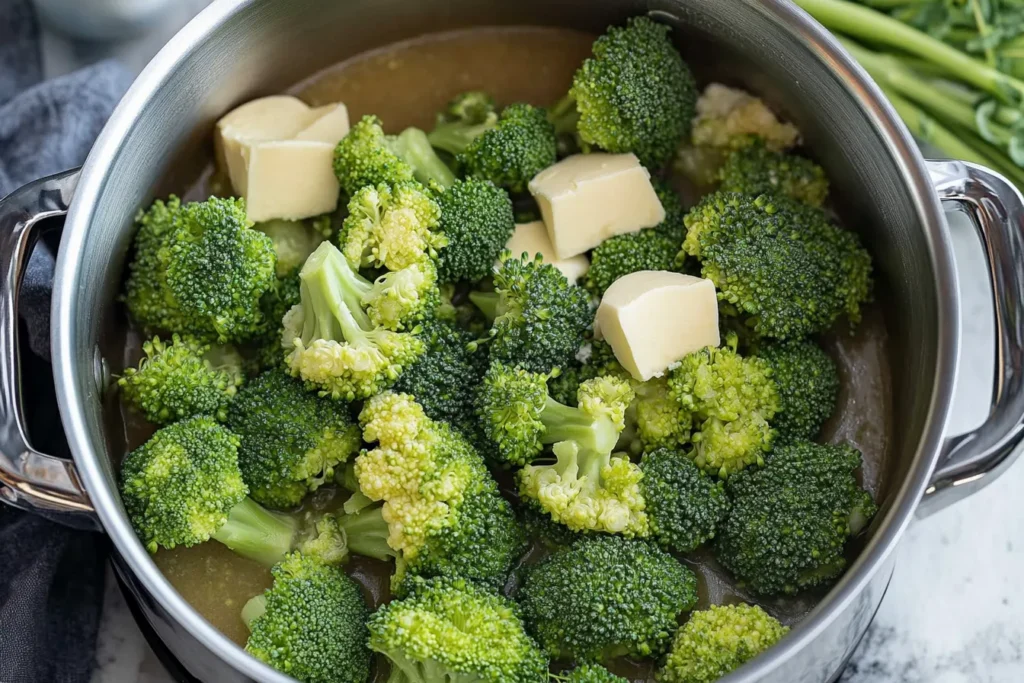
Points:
[970,461]
[31,480]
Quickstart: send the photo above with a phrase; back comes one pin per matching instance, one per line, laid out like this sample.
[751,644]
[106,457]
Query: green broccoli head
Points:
[176,380]
[477,220]
[291,440]
[450,630]
[311,624]
[365,157]
[661,421]
[335,345]
[402,299]
[808,383]
[731,400]
[589,673]
[635,94]
[754,169]
[520,145]
[605,597]
[466,117]
[789,520]
[391,226]
[474,106]
[540,318]
[621,255]
[718,640]
[685,506]
[294,241]
[147,295]
[779,262]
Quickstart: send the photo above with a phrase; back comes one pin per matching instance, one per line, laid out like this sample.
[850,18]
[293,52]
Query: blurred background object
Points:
[102,20]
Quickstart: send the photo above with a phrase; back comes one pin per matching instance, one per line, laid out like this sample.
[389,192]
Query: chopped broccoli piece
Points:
[470,107]
[635,94]
[391,226]
[731,400]
[661,421]
[451,630]
[147,295]
[755,170]
[589,673]
[778,261]
[540,318]
[685,506]
[718,640]
[477,221]
[311,624]
[291,440]
[336,347]
[294,241]
[790,519]
[808,383]
[727,117]
[176,380]
[624,254]
[605,597]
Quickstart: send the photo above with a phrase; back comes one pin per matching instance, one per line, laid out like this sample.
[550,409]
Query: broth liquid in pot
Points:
[405,84]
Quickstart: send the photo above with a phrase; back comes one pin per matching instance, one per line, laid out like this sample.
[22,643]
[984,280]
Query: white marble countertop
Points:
[952,613]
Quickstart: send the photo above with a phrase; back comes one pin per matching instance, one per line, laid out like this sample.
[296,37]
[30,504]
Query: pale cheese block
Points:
[290,179]
[532,238]
[330,126]
[654,318]
[587,198]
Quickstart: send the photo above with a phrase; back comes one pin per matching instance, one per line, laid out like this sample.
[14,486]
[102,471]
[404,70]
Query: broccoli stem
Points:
[254,609]
[254,532]
[356,502]
[564,116]
[487,302]
[563,423]
[367,533]
[456,136]
[415,148]
[334,293]
[868,24]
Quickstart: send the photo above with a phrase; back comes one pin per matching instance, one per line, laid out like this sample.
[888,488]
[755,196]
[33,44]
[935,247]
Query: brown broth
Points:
[404,85]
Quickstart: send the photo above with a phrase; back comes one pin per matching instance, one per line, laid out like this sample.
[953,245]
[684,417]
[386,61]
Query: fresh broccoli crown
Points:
[661,421]
[520,145]
[174,381]
[474,106]
[541,318]
[365,157]
[684,505]
[401,299]
[179,486]
[445,378]
[440,503]
[780,262]
[218,268]
[477,220]
[451,630]
[731,399]
[313,624]
[673,226]
[719,640]
[146,292]
[291,439]
[590,673]
[635,94]
[789,520]
[294,241]
[466,118]
[621,255]
[335,346]
[808,383]
[605,597]
[755,170]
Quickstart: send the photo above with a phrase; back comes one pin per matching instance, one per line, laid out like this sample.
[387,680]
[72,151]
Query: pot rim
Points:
[788,17]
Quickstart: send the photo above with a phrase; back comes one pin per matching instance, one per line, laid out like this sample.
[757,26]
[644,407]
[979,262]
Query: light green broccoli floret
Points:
[662,422]
[755,170]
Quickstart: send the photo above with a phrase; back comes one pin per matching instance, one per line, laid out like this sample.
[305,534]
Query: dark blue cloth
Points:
[51,577]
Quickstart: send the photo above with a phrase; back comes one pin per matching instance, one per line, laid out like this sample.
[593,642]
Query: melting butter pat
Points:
[654,318]
[532,238]
[290,179]
[587,198]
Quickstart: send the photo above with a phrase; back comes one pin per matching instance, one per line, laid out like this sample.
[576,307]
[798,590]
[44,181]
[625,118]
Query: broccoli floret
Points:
[635,94]
[540,318]
[605,597]
[311,624]
[291,440]
[294,241]
[589,673]
[661,421]
[184,487]
[391,226]
[444,513]
[727,117]
[808,383]
[509,149]
[685,506]
[451,630]
[200,269]
[731,400]
[624,254]
[336,346]
[718,640]
[176,380]
[789,520]
[470,107]
[673,226]
[755,170]
[477,221]
[778,261]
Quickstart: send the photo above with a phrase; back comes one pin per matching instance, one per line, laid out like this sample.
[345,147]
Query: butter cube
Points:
[290,179]
[654,318]
[330,126]
[532,239]
[587,198]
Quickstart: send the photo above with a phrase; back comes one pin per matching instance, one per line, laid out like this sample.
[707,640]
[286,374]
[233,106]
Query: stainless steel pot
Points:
[238,49]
